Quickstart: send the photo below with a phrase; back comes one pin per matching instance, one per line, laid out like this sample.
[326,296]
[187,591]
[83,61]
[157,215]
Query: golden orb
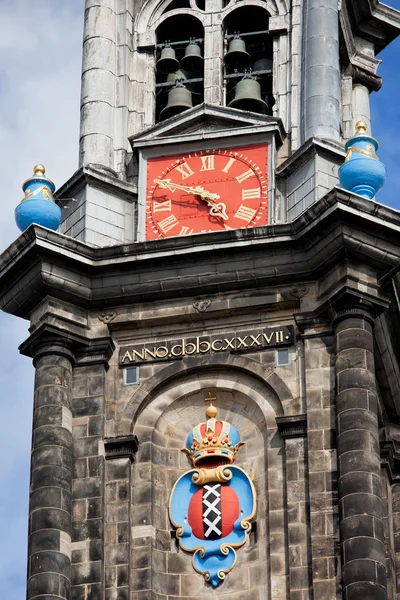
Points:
[361,127]
[39,170]
[211,411]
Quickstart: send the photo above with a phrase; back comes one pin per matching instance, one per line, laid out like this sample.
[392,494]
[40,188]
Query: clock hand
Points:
[216,209]
[167,184]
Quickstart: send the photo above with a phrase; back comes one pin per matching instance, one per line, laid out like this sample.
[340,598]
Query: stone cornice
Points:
[97,176]
[191,126]
[374,21]
[337,228]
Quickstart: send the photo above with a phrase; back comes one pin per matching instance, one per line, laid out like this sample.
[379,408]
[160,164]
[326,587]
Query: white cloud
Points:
[40,64]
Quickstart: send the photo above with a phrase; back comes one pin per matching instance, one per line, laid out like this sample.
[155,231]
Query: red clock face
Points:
[209,190]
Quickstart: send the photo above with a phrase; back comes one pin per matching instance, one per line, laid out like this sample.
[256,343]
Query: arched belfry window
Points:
[180,65]
[222,57]
[248,60]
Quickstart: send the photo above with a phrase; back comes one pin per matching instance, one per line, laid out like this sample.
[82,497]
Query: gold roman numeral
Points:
[245,175]
[161,206]
[168,223]
[185,170]
[207,162]
[245,213]
[186,231]
[251,194]
[228,165]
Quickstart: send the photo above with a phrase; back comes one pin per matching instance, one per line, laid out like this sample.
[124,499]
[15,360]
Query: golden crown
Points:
[213,442]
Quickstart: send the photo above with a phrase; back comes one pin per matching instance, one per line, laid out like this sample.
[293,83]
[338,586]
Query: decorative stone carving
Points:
[202,305]
[107,317]
[299,292]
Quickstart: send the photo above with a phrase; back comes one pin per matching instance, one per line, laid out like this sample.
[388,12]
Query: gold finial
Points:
[361,127]
[211,411]
[39,170]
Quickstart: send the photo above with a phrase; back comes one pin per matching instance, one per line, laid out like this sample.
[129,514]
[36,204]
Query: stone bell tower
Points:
[206,251]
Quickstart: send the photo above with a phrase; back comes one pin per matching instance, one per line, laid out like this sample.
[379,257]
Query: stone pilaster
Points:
[322,461]
[294,430]
[117,538]
[89,482]
[396,534]
[360,491]
[49,551]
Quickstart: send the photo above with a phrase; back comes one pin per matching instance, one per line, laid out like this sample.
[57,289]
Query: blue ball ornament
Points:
[38,205]
[362,172]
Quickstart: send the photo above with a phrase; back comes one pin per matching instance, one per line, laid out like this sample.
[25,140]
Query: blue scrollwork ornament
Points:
[213,504]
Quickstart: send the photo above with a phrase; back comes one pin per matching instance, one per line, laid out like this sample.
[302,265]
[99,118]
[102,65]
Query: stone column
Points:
[321,71]
[98,84]
[360,491]
[361,106]
[49,551]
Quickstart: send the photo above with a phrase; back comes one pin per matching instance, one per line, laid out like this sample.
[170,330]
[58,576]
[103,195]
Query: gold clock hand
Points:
[167,184]
[216,210]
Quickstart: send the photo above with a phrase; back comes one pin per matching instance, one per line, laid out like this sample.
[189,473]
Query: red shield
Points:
[213,510]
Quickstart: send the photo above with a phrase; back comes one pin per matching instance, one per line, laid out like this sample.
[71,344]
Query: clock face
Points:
[208,190]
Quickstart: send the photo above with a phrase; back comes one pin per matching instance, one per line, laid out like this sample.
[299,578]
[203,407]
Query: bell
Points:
[167,63]
[179,75]
[237,57]
[193,60]
[262,64]
[179,99]
[248,96]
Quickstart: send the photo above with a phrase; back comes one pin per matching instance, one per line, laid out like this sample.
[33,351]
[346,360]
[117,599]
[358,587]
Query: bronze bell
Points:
[193,60]
[167,63]
[248,96]
[179,99]
[263,64]
[237,57]
[179,75]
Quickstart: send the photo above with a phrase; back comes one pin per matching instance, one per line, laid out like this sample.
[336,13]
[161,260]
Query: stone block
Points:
[87,488]
[50,518]
[86,573]
[48,561]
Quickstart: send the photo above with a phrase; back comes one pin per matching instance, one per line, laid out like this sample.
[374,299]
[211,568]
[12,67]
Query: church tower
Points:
[207,252]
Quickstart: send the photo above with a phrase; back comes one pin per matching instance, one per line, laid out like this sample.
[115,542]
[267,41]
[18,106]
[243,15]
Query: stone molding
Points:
[121,447]
[293,426]
[89,273]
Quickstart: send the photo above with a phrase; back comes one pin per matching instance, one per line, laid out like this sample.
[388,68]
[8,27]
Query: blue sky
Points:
[40,58]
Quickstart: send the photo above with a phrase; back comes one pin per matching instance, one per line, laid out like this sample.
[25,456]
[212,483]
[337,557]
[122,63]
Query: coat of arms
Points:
[212,505]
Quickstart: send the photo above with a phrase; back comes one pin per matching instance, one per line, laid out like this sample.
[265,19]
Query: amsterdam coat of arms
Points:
[212,505]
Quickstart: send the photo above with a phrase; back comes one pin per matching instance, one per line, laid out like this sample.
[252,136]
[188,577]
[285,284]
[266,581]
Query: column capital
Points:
[121,447]
[355,311]
[350,303]
[50,339]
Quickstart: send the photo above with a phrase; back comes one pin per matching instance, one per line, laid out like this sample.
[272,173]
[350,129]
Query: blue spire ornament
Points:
[38,205]
[362,172]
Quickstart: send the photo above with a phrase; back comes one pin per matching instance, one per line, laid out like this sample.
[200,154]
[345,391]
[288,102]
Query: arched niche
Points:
[162,422]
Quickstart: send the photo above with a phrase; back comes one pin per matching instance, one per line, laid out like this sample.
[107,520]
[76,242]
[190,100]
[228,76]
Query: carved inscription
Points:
[236,342]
